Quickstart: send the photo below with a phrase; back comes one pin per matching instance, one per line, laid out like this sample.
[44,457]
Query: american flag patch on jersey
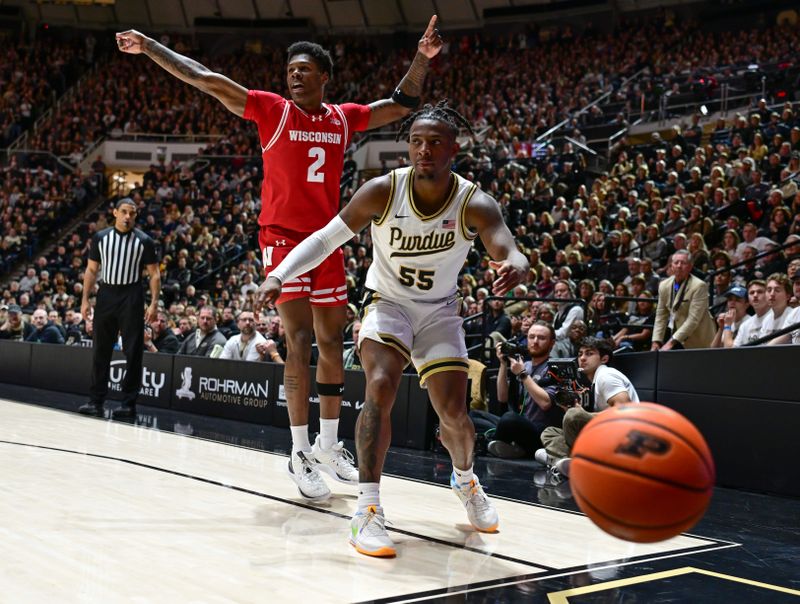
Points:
[448,224]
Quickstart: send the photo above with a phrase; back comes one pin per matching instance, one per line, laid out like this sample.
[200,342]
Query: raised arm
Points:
[222,88]
[368,203]
[483,215]
[407,94]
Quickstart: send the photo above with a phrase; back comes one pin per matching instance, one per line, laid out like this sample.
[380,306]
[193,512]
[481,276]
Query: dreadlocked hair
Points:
[441,113]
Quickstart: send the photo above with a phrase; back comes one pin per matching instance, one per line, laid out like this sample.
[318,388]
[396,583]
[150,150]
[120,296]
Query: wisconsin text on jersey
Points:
[419,245]
[302,136]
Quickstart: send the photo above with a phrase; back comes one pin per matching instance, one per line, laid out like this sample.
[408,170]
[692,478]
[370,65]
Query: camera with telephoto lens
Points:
[510,349]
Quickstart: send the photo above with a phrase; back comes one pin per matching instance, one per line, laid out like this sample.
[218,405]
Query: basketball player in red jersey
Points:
[303,143]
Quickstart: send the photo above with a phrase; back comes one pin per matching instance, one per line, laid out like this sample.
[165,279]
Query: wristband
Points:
[401,98]
[727,328]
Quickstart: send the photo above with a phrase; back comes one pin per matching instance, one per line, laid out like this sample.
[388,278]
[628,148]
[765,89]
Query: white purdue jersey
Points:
[414,256]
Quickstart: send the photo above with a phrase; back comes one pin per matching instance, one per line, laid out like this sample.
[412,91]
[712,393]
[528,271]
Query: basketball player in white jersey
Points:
[424,220]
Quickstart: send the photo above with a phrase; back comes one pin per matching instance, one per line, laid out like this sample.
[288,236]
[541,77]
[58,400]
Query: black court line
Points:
[286,501]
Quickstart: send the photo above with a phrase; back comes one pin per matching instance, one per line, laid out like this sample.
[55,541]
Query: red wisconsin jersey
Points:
[303,159]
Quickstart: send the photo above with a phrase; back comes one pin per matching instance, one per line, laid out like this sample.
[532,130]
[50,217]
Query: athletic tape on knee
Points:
[330,389]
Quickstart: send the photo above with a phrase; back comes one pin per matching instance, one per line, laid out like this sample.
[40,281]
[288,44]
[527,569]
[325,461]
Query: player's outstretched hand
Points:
[267,293]
[508,276]
[431,42]
[131,41]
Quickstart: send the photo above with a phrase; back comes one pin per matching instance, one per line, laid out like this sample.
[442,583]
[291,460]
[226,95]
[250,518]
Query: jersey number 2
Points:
[318,154]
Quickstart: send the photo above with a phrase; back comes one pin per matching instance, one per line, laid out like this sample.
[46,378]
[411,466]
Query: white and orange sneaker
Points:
[480,510]
[368,533]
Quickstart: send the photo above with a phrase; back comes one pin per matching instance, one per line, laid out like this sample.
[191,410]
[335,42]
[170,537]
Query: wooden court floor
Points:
[99,511]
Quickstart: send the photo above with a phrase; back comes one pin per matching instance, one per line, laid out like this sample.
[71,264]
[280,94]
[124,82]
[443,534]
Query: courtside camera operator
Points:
[607,387]
[517,433]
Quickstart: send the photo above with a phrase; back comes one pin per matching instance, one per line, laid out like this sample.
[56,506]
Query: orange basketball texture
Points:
[642,472]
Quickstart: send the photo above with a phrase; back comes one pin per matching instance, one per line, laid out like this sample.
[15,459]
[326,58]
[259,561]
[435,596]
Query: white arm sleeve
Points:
[313,250]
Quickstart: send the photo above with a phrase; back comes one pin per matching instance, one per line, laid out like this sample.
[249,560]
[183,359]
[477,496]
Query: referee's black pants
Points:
[119,309]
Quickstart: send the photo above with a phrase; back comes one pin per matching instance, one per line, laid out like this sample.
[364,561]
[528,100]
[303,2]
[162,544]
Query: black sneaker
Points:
[124,412]
[94,409]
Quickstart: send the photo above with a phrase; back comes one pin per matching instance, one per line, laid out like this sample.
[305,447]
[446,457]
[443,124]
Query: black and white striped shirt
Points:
[122,256]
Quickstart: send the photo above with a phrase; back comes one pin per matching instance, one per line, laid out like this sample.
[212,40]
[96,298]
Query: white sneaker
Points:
[307,478]
[368,533]
[480,510]
[561,467]
[544,458]
[336,462]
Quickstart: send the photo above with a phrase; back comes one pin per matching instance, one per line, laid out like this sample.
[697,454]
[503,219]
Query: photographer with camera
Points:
[607,387]
[517,433]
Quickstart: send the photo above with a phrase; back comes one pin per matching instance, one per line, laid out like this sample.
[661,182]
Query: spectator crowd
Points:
[722,202]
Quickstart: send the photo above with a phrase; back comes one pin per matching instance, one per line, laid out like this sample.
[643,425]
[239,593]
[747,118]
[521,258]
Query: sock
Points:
[368,494]
[328,432]
[300,439]
[463,477]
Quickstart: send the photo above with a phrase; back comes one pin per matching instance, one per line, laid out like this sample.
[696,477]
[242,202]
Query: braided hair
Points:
[441,113]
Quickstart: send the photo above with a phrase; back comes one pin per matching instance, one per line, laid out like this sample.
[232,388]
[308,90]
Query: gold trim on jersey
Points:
[420,215]
[387,209]
[392,341]
[462,219]
[444,364]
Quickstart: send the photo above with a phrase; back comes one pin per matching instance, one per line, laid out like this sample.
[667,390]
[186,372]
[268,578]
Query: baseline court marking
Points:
[562,597]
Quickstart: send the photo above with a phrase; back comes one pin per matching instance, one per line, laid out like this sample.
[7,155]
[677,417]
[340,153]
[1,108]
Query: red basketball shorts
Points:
[323,286]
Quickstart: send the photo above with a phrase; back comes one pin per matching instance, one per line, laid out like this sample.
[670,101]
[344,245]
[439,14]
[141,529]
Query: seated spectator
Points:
[77,334]
[229,325]
[567,312]
[244,346]
[793,316]
[351,359]
[55,320]
[498,319]
[43,331]
[731,318]
[207,341]
[779,291]
[567,348]
[14,327]
[159,337]
[609,387]
[28,281]
[184,329]
[750,328]
[639,329]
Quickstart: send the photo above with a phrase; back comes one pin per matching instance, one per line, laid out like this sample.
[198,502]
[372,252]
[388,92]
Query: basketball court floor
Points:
[182,508]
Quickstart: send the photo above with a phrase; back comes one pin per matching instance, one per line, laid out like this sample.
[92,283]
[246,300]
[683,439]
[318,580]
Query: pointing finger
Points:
[431,26]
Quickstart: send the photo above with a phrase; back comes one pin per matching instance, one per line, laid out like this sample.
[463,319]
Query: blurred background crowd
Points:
[598,210]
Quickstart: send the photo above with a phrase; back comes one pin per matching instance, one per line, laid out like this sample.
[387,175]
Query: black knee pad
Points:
[330,389]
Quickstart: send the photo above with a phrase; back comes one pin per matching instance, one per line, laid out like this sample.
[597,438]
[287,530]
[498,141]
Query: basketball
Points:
[642,472]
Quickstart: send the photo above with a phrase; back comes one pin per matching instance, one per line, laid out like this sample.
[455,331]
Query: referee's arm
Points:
[89,280]
[155,291]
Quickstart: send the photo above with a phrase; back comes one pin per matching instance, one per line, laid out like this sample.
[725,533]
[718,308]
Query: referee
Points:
[118,253]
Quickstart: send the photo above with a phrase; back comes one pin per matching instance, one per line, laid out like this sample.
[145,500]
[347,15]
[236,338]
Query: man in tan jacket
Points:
[682,311]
